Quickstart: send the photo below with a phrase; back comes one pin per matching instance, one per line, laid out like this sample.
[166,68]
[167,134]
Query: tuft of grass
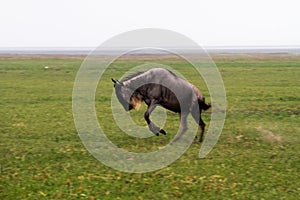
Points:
[257,156]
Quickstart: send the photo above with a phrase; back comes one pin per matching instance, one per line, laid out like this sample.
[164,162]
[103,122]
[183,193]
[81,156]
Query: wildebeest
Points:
[159,86]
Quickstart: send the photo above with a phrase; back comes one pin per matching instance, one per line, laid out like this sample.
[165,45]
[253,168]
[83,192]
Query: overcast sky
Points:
[88,23]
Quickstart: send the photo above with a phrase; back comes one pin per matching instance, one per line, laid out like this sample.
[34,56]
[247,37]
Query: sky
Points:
[88,23]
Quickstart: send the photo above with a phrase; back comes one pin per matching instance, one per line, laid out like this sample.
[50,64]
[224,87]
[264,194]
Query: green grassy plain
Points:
[257,156]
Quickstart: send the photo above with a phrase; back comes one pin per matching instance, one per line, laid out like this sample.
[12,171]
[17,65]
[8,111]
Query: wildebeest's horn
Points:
[116,81]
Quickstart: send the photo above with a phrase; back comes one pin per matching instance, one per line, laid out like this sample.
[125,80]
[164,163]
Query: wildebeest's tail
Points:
[203,105]
[201,99]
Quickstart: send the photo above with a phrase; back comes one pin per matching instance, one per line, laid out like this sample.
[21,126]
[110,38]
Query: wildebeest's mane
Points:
[172,73]
[131,76]
[139,73]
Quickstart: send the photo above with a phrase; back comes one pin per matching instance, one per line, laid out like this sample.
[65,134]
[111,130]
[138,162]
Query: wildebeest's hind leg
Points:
[153,128]
[183,126]
[197,116]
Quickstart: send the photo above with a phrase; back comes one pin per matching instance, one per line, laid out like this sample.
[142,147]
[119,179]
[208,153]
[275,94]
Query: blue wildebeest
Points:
[160,86]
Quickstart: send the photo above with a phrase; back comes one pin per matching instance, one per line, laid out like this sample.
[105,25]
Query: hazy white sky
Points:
[88,23]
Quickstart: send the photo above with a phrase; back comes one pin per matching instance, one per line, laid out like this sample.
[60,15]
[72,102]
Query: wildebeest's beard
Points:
[123,95]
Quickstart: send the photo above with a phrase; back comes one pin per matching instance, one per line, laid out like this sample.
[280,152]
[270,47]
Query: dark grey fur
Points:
[159,86]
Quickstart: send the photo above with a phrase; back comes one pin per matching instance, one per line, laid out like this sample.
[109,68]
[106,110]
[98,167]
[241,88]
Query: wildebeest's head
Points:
[124,95]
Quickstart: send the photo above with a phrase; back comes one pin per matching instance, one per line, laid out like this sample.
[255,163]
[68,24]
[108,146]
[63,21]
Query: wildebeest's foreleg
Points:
[153,128]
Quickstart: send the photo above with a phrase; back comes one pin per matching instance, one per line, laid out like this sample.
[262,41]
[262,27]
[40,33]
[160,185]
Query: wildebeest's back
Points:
[169,90]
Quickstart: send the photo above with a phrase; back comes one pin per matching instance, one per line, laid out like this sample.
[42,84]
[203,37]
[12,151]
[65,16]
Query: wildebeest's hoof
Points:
[157,134]
[162,131]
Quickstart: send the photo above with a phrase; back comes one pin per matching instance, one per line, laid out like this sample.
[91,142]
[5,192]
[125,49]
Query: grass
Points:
[257,156]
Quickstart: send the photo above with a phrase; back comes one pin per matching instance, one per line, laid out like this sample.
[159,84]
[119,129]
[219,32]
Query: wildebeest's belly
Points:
[176,102]
[175,106]
[174,96]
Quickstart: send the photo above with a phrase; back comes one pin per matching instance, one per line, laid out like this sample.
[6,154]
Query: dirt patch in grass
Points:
[268,135]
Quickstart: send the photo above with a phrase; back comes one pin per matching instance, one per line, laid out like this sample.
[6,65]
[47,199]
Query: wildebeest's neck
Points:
[136,80]
[152,76]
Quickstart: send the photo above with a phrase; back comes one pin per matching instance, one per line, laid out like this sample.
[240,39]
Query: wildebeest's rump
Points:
[159,86]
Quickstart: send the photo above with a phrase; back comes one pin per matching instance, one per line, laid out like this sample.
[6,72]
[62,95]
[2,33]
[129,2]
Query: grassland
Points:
[257,156]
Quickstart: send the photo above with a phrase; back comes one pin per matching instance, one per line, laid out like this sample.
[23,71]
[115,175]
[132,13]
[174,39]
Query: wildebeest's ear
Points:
[113,80]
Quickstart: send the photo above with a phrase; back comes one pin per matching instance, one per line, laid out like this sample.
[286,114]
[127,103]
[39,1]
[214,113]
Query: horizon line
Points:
[204,46]
[115,50]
